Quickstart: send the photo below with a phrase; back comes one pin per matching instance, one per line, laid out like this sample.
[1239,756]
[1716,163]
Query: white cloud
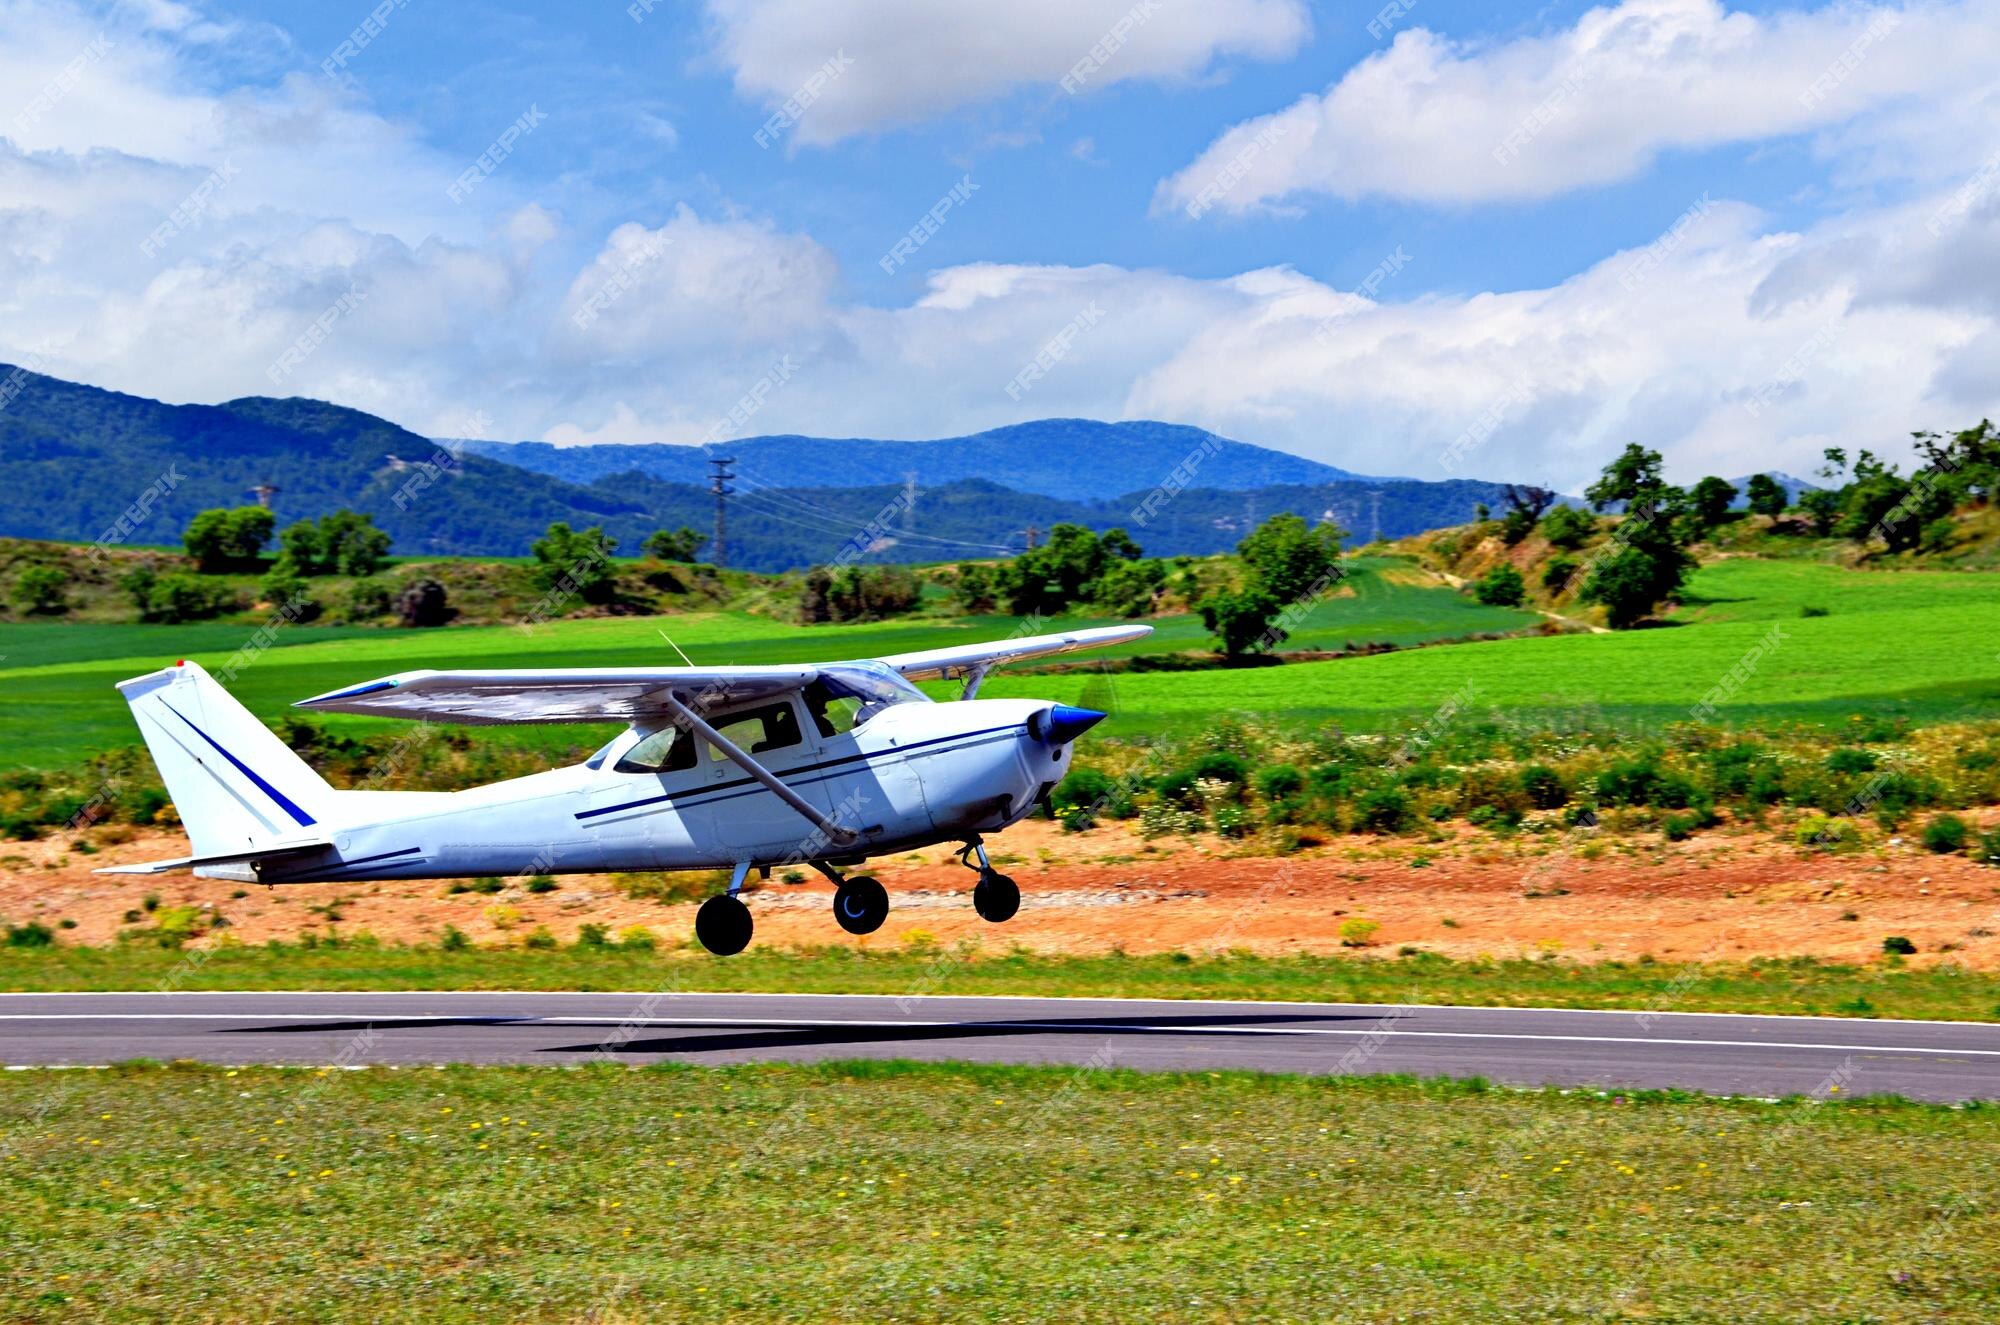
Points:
[913,60]
[1440,121]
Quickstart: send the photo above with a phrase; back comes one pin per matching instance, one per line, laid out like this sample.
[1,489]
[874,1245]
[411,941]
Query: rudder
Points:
[233,782]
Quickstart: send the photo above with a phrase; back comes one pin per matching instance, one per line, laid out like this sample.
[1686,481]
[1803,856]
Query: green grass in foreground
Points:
[907,1192]
[1799,985]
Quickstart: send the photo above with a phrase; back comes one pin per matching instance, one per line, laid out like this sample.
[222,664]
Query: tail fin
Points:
[235,784]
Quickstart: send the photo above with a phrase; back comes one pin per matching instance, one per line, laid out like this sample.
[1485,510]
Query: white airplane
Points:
[734,767]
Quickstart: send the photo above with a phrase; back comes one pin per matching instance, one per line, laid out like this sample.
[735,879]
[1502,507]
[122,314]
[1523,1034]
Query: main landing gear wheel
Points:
[723,925]
[995,897]
[860,905]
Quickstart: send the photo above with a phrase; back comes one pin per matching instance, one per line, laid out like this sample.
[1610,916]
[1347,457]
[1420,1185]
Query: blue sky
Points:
[1738,233]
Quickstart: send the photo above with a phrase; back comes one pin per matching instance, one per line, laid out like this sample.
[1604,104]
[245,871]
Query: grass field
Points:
[1799,986]
[1922,644]
[57,704]
[906,1192]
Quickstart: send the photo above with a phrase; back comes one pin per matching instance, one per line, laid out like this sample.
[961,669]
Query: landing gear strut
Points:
[995,897]
[860,904]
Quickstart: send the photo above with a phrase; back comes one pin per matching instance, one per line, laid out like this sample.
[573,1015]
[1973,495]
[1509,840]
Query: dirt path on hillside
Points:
[1723,895]
[1460,582]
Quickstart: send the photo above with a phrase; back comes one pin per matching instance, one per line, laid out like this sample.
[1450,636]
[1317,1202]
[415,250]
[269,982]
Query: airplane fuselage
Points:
[910,776]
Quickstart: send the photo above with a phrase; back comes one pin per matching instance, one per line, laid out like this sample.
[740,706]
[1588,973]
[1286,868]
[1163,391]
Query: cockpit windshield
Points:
[847,695]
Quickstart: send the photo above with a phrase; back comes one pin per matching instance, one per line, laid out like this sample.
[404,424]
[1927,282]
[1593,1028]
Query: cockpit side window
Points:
[759,730]
[847,695]
[667,750]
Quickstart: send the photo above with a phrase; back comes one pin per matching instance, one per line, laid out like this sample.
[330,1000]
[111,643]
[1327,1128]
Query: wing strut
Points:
[730,751]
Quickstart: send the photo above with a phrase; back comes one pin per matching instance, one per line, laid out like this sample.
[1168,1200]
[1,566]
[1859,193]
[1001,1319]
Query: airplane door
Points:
[743,812]
[645,805]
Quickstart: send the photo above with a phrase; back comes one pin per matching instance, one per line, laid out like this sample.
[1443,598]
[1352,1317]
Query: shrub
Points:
[1544,787]
[1850,761]
[1280,781]
[638,938]
[503,917]
[366,600]
[34,934]
[453,939]
[1945,834]
[1084,789]
[1808,611]
[1633,781]
[1493,818]
[1817,832]
[1355,932]
[42,590]
[541,883]
[1558,573]
[1385,810]
[591,935]
[1898,945]
[1568,526]
[539,938]
[1221,767]
[1501,587]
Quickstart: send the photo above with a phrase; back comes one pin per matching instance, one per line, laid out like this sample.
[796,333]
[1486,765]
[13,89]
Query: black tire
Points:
[861,905]
[996,898]
[723,925]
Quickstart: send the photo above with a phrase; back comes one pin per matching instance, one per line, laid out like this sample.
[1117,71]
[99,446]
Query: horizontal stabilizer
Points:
[275,850]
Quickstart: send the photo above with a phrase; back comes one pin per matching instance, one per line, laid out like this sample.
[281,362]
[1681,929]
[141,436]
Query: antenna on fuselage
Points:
[675,647]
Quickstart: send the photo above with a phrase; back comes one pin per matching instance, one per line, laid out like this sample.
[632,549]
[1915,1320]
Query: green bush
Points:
[590,935]
[42,590]
[1221,767]
[1501,587]
[1945,834]
[539,938]
[1544,787]
[1279,782]
[1989,848]
[1848,760]
[1085,789]
[34,934]
[1558,573]
[541,883]
[454,939]
[1898,945]
[1384,810]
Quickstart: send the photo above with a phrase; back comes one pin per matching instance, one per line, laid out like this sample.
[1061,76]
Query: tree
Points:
[342,543]
[673,545]
[1240,619]
[42,590]
[1048,579]
[1525,504]
[1629,584]
[858,593]
[1501,587]
[1568,527]
[972,591]
[174,598]
[1627,479]
[1766,496]
[1290,559]
[577,561]
[1709,501]
[1822,508]
[228,539]
[1129,588]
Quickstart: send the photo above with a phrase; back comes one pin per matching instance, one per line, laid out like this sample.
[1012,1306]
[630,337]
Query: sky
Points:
[1412,239]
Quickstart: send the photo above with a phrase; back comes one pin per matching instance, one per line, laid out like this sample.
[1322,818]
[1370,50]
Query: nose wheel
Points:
[995,897]
[860,905]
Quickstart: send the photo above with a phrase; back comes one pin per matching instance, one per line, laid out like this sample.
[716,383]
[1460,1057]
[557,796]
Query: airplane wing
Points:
[965,659]
[628,694]
[554,694]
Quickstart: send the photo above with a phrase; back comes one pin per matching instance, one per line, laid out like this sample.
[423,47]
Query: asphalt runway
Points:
[1722,1054]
